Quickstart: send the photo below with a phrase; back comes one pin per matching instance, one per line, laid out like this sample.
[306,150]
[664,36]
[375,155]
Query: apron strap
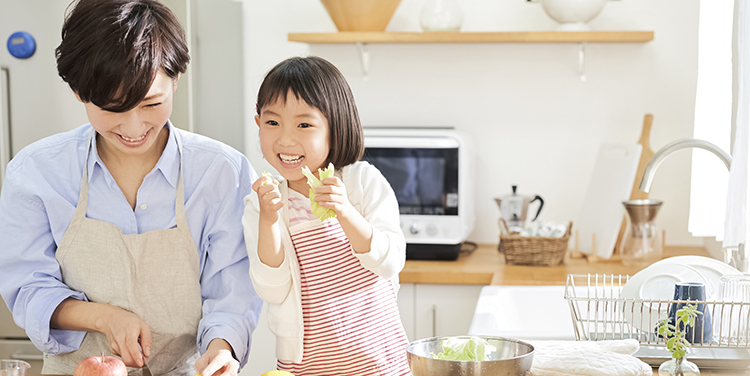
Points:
[83,195]
[179,203]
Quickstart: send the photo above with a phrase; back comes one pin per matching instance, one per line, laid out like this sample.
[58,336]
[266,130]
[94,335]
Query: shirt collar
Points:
[168,164]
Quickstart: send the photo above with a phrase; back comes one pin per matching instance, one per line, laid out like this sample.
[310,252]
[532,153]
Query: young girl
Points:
[330,285]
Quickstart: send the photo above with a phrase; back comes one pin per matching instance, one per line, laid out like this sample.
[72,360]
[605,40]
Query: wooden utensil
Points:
[646,154]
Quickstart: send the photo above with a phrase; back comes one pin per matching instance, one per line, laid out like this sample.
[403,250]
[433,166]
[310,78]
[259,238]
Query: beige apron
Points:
[154,275]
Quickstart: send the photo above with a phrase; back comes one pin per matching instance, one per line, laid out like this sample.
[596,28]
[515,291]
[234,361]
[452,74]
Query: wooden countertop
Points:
[486,266]
[656,373]
[717,372]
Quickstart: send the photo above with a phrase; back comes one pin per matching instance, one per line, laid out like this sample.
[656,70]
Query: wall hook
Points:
[364,58]
[582,61]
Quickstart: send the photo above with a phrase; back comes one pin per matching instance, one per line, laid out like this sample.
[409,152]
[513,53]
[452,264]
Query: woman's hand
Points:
[269,198]
[126,332]
[218,360]
[128,335]
[332,195]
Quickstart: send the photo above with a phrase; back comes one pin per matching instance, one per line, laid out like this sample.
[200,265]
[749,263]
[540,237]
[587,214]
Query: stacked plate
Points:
[652,288]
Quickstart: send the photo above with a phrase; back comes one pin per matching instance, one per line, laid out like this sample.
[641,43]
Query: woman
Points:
[124,235]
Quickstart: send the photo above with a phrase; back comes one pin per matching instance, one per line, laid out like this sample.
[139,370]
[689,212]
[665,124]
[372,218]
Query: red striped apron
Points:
[352,324]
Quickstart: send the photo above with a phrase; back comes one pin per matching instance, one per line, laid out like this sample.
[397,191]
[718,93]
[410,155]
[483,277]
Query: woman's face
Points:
[292,135]
[135,132]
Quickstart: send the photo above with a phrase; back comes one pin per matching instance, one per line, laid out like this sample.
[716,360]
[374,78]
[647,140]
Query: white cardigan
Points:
[371,195]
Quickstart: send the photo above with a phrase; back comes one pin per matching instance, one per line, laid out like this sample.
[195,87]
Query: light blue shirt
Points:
[38,200]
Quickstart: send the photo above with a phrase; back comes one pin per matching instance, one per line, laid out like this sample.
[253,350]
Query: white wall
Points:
[533,122]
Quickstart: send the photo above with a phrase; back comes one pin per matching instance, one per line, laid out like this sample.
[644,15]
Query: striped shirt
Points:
[351,319]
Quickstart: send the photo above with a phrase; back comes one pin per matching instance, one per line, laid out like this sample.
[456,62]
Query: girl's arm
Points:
[269,269]
[374,231]
[332,195]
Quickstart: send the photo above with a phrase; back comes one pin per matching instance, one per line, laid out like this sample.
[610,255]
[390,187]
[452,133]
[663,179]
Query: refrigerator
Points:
[36,103]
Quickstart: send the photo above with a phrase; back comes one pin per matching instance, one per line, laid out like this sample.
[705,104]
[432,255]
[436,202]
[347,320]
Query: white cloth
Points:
[369,192]
[736,223]
[713,118]
[583,358]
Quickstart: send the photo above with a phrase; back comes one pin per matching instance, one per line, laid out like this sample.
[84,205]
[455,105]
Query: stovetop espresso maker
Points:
[514,208]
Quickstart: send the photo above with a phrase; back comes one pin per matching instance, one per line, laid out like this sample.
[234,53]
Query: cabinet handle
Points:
[32,357]
[434,320]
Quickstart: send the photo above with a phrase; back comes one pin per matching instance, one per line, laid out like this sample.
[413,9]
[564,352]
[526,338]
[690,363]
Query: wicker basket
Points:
[532,250]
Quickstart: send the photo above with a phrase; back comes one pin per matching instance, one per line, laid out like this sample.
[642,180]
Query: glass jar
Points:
[641,244]
[678,367]
[441,15]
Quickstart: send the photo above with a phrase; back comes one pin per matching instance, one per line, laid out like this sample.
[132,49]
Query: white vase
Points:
[441,15]
[678,367]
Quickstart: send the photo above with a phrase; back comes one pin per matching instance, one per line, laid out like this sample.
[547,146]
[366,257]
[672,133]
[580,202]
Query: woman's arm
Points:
[31,282]
[231,308]
[126,332]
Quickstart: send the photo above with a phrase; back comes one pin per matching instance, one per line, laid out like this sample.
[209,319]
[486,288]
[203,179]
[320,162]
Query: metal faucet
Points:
[648,173]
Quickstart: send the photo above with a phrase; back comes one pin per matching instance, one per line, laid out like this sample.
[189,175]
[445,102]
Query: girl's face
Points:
[292,135]
[135,132]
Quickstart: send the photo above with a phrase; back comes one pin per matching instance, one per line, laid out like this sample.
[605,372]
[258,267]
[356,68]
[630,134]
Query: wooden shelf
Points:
[476,37]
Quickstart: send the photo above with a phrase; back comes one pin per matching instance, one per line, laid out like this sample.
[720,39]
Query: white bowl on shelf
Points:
[572,15]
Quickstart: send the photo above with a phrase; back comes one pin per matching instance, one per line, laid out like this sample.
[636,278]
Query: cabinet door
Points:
[406,308]
[262,356]
[444,310]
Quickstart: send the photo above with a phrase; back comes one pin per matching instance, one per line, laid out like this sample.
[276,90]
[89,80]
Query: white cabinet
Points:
[429,310]
[406,308]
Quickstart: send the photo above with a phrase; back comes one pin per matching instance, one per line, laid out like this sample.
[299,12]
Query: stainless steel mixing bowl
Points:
[512,358]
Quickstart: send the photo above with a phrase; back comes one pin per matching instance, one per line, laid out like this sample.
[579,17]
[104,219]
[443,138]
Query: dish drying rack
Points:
[598,314]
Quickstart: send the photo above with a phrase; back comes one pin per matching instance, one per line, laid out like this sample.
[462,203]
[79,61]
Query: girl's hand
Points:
[218,360]
[332,195]
[269,198]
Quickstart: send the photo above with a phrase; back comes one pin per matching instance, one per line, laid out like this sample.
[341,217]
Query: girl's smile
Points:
[291,161]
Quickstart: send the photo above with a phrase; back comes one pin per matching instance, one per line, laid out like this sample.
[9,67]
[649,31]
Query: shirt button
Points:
[144,206]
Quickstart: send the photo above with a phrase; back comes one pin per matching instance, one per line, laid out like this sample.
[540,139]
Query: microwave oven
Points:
[428,169]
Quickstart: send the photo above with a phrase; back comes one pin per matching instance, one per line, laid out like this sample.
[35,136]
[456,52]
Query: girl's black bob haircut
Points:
[317,82]
[111,50]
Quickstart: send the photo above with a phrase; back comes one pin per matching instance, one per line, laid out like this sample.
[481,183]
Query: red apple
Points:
[102,365]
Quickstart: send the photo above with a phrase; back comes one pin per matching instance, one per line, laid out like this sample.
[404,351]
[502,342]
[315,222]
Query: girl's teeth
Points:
[290,158]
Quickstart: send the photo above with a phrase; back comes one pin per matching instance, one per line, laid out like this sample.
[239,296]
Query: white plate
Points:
[711,269]
[654,283]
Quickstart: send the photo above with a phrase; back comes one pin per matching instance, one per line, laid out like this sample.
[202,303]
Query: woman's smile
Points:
[134,142]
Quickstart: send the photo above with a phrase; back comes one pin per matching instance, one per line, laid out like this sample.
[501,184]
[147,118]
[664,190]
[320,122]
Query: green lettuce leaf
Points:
[471,349]
[269,175]
[314,182]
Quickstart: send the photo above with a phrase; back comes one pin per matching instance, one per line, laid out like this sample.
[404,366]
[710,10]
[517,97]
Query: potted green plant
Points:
[678,346]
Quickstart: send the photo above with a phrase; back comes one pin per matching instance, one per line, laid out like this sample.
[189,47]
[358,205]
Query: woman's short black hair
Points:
[321,85]
[111,50]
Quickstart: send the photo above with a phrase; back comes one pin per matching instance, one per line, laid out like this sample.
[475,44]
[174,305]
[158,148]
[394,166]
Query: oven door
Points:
[423,172]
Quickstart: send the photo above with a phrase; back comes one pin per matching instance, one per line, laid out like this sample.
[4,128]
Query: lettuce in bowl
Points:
[465,349]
